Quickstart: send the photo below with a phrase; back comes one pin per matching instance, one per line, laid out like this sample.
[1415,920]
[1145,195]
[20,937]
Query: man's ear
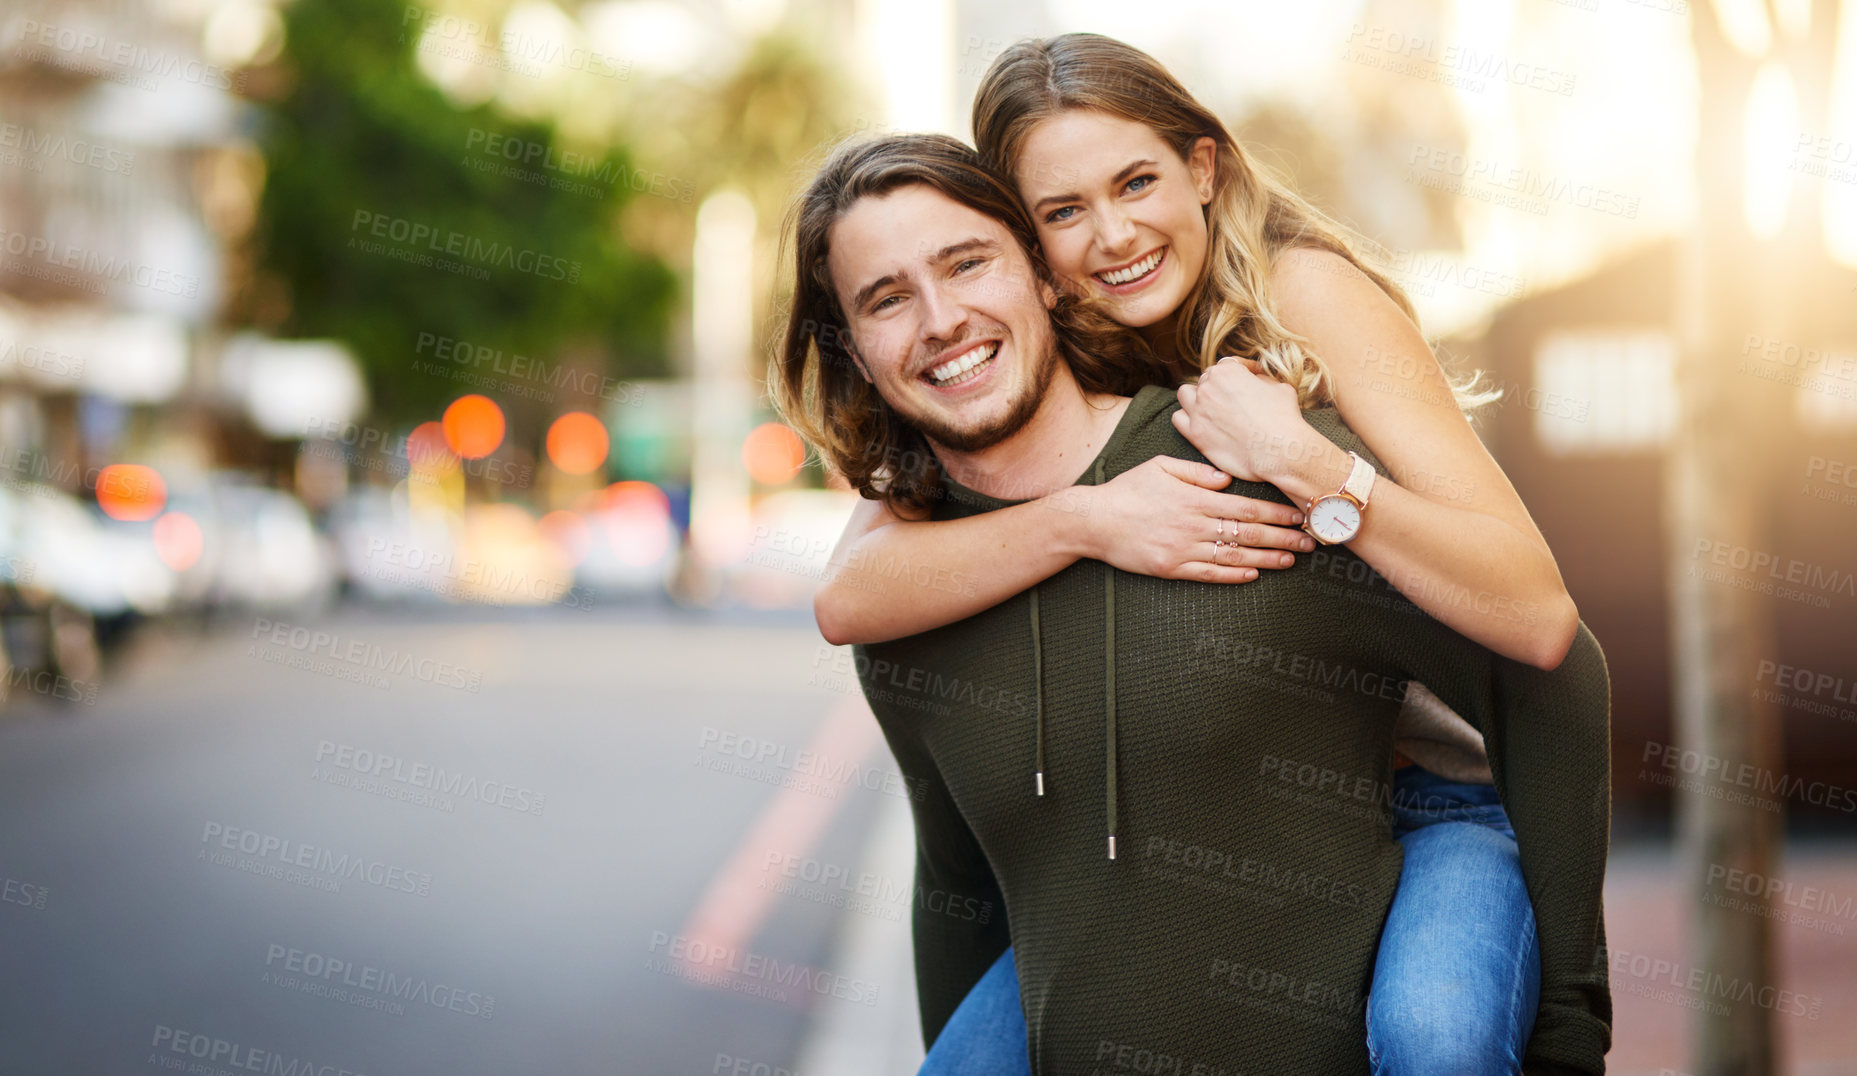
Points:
[857,360]
[1202,165]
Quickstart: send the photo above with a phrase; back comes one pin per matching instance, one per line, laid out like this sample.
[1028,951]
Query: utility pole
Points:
[1734,285]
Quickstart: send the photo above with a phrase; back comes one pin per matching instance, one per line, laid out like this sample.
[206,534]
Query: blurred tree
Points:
[771,121]
[359,136]
[761,128]
[1719,487]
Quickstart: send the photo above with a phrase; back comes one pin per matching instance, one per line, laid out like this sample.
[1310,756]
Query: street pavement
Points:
[644,842]
[457,841]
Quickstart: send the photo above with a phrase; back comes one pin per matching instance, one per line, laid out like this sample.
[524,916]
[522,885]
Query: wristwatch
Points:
[1335,517]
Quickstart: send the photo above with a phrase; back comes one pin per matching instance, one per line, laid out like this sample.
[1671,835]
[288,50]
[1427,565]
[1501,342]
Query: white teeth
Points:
[1134,272]
[948,372]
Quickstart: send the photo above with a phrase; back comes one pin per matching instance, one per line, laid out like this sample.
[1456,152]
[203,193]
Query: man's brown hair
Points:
[814,380]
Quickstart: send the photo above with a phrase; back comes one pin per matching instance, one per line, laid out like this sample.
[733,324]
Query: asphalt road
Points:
[471,841]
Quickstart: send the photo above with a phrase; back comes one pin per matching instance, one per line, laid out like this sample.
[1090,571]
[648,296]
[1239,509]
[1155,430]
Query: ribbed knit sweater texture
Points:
[1239,739]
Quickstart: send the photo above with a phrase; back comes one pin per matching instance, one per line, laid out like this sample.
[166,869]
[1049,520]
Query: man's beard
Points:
[980,438]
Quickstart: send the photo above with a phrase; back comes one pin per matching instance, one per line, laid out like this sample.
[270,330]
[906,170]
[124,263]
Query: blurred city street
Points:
[527,909]
[529,886]
[407,566]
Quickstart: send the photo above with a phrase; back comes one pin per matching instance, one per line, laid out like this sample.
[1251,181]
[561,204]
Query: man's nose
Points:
[943,314]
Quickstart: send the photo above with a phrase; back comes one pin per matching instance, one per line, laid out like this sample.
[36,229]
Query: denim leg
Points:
[986,1034]
[1458,975]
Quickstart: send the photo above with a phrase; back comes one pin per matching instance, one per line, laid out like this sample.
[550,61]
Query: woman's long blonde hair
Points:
[1253,216]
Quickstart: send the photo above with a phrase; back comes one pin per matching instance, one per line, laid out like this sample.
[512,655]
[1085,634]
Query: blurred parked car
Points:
[258,548]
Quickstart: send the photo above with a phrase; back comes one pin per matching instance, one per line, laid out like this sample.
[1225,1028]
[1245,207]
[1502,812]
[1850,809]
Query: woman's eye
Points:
[1139,183]
[1060,214]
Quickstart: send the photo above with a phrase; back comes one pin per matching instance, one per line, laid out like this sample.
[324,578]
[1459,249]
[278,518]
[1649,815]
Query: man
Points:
[1174,788]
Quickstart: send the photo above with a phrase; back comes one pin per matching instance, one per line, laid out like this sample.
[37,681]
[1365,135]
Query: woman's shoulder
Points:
[1310,283]
[1315,266]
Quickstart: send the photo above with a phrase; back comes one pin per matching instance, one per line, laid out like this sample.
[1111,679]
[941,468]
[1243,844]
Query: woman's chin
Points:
[1141,311]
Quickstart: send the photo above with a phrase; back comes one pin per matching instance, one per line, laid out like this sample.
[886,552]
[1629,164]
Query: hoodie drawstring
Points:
[1038,678]
[1109,760]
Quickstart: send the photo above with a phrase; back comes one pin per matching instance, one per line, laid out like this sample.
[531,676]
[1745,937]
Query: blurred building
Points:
[1587,371]
[126,188]
[109,272]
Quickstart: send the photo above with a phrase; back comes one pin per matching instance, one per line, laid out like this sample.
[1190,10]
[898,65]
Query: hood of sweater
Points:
[1148,405]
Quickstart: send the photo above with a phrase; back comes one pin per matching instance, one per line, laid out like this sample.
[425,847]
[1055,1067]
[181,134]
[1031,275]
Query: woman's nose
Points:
[1115,233]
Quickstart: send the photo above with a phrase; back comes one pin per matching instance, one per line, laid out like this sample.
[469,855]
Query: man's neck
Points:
[1049,452]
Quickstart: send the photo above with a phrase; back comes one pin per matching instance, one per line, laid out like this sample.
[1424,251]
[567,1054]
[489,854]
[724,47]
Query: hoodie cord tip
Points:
[1112,846]
[1041,782]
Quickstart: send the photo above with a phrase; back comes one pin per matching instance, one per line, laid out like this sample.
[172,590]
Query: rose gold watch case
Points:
[1354,491]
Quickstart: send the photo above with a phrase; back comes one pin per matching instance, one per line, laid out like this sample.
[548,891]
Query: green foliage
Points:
[362,137]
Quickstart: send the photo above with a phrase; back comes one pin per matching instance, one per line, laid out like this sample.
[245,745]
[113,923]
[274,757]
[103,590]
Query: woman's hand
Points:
[1245,422]
[1164,518]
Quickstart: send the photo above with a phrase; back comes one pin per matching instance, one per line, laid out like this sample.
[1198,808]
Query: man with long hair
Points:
[1175,789]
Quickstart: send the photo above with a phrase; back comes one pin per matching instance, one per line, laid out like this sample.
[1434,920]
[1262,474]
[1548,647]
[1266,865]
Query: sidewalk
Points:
[887,1040]
[1647,922]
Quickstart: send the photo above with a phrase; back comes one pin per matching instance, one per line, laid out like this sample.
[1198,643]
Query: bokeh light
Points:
[427,449]
[636,519]
[473,426]
[577,443]
[130,491]
[178,541]
[773,454]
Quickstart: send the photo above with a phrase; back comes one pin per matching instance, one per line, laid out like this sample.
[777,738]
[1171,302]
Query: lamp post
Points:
[722,313]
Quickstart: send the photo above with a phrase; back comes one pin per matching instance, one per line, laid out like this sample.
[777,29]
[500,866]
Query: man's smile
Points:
[970,363]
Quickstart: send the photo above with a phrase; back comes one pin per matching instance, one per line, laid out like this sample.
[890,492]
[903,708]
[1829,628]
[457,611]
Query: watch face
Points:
[1334,519]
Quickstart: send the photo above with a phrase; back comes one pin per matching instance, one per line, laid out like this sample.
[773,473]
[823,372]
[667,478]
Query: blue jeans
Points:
[1458,975]
[986,1034]
[1460,893]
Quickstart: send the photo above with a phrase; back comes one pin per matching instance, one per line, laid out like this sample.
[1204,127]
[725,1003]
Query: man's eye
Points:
[962,268]
[886,301]
[1060,214]
[1139,183]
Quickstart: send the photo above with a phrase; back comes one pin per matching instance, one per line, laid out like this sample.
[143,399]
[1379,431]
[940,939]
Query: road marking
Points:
[887,1041]
[734,905]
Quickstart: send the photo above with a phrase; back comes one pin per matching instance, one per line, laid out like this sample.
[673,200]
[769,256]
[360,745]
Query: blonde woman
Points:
[1148,209]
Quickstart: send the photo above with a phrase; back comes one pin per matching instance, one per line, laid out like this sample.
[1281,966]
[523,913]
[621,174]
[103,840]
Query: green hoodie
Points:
[1178,792]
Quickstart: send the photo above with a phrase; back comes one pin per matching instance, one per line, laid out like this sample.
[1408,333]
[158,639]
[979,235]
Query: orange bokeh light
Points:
[427,450]
[473,426]
[577,443]
[636,496]
[131,491]
[178,541]
[773,454]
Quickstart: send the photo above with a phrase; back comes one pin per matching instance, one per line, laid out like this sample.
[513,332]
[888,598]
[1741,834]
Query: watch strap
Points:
[1360,480]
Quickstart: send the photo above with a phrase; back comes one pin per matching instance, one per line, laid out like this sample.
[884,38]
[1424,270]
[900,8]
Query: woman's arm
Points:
[1449,530]
[892,576]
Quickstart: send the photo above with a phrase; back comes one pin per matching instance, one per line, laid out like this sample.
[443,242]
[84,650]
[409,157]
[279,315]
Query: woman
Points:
[1144,201]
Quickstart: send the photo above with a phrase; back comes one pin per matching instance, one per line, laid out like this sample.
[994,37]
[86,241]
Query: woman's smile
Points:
[1132,276]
